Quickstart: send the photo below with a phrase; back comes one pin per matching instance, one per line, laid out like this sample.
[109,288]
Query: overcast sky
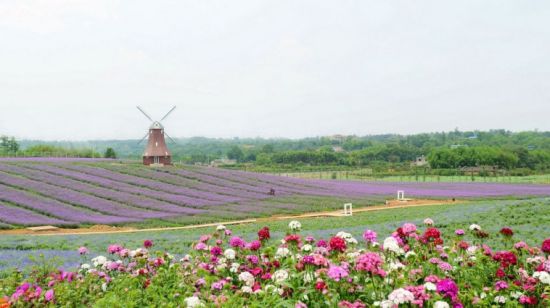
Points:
[76,69]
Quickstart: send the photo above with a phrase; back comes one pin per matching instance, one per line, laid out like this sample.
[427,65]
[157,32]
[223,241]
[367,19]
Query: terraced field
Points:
[74,192]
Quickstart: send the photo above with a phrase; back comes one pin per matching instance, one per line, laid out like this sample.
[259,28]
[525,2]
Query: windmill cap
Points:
[156,125]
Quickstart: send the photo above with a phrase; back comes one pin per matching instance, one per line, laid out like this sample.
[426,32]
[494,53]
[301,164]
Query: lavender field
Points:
[83,192]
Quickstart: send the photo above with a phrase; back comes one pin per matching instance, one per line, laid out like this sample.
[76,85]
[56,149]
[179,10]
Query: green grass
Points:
[367,176]
[528,218]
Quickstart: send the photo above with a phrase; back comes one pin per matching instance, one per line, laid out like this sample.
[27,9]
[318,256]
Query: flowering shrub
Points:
[412,267]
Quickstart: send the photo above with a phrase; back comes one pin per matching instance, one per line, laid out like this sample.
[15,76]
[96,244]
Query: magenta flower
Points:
[501,285]
[147,243]
[82,250]
[447,288]
[369,236]
[459,232]
[237,242]
[254,245]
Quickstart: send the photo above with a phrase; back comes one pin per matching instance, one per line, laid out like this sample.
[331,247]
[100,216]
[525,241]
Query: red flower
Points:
[338,244]
[506,258]
[263,234]
[293,238]
[432,235]
[463,245]
[320,285]
[147,243]
[546,245]
[506,231]
[500,273]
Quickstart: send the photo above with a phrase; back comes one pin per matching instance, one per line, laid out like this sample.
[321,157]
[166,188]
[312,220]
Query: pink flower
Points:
[200,246]
[112,249]
[369,236]
[49,296]
[445,266]
[82,250]
[370,262]
[409,228]
[252,259]
[337,272]
[521,245]
[459,232]
[254,245]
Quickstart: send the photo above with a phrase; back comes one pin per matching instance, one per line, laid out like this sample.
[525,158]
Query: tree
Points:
[110,153]
[235,153]
[8,145]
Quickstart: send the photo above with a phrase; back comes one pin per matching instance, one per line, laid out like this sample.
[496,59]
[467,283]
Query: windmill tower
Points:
[156,152]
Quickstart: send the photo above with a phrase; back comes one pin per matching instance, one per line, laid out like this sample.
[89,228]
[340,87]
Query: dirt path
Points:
[394,204]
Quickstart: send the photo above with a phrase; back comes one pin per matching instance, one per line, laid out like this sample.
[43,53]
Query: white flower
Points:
[273,289]
[247,278]
[500,299]
[410,253]
[471,250]
[307,248]
[280,276]
[544,277]
[483,295]
[347,237]
[234,267]
[386,304]
[282,252]
[99,261]
[353,255]
[295,225]
[104,287]
[220,227]
[193,301]
[229,254]
[395,266]
[428,221]
[246,289]
[401,296]
[85,266]
[441,304]
[390,243]
[516,294]
[474,227]
[430,286]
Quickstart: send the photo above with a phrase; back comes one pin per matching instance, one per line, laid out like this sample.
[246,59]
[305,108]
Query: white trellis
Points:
[348,209]
[400,195]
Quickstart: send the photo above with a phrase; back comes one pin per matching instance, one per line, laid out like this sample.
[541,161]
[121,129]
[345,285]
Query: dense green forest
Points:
[499,149]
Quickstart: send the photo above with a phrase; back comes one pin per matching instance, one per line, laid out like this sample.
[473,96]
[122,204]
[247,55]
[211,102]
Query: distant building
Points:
[338,149]
[339,138]
[420,161]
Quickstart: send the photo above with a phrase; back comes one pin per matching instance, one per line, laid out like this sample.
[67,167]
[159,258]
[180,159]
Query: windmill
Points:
[156,152]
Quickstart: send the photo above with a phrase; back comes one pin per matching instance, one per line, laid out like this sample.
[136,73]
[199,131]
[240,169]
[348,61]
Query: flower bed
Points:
[413,267]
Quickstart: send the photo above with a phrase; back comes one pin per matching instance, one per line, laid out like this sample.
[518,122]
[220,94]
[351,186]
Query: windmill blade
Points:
[145,114]
[169,112]
[170,138]
[143,138]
